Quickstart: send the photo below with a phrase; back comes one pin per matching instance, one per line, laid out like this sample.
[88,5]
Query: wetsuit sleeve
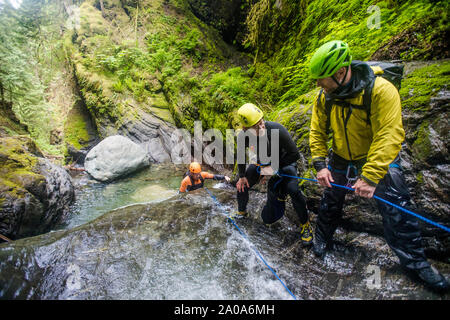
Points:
[219,177]
[207,175]
[184,184]
[289,148]
[387,131]
[318,136]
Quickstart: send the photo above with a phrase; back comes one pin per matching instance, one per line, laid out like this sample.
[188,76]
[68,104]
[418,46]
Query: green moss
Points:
[163,114]
[75,130]
[422,84]
[14,155]
[419,177]
[18,167]
[158,101]
[91,20]
[25,179]
[422,146]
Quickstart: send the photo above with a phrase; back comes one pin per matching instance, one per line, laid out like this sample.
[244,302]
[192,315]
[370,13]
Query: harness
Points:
[194,186]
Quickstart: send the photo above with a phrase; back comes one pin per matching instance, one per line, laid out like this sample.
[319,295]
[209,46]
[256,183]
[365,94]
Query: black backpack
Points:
[391,71]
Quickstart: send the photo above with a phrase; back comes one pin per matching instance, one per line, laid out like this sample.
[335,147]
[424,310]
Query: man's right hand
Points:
[324,177]
[241,184]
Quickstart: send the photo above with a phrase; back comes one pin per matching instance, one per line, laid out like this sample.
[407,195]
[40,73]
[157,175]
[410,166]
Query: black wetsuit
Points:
[278,187]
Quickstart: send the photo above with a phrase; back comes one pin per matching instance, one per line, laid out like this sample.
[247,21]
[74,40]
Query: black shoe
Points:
[432,279]
[239,215]
[319,247]
[306,234]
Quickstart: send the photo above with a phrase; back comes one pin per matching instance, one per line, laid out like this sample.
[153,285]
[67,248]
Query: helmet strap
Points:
[343,79]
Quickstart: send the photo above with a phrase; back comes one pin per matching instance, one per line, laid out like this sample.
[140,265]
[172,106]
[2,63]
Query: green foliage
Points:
[229,90]
[190,43]
[423,83]
[308,24]
[30,56]
[75,131]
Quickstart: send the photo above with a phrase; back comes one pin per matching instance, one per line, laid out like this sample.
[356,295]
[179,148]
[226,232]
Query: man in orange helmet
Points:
[196,177]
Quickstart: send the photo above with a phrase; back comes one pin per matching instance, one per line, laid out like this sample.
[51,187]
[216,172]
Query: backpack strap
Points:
[367,102]
[328,105]
[201,179]
[196,186]
[367,99]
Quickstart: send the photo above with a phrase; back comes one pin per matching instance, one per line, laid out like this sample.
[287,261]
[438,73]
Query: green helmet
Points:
[329,58]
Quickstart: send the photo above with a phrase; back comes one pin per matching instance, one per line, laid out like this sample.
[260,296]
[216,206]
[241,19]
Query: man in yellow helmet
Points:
[196,177]
[366,141]
[251,118]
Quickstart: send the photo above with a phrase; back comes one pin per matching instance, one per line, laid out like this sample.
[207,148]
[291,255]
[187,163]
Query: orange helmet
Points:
[195,167]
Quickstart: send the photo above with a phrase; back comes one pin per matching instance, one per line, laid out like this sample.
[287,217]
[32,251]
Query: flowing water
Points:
[136,238]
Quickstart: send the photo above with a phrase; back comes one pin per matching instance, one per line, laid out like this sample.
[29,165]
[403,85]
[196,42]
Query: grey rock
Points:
[114,157]
[156,136]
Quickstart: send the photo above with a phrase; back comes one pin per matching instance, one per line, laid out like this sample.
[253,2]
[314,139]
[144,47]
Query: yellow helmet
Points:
[195,167]
[249,114]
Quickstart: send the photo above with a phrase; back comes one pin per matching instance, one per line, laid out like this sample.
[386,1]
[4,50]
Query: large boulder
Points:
[114,157]
[34,193]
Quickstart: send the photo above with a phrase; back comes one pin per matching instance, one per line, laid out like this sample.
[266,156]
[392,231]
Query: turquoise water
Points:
[93,198]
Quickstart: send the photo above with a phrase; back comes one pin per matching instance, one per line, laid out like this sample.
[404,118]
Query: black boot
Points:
[319,247]
[432,278]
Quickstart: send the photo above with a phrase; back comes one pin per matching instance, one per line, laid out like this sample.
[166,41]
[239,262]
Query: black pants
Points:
[277,190]
[401,230]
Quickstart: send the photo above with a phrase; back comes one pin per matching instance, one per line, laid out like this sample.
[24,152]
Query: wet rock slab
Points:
[186,248]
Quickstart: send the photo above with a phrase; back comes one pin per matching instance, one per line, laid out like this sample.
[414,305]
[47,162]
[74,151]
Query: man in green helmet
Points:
[364,154]
[278,187]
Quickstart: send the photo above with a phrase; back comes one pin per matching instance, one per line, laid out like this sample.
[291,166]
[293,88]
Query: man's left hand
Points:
[363,189]
[267,171]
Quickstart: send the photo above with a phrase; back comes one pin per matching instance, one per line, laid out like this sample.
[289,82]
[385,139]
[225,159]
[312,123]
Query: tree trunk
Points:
[2,94]
[135,26]
[102,7]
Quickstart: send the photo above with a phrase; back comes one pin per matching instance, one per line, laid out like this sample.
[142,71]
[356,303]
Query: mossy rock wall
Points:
[34,193]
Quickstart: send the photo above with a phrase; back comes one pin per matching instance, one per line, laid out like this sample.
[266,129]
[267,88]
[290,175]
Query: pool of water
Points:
[157,183]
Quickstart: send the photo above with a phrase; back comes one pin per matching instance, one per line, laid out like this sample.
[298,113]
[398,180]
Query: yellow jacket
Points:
[379,142]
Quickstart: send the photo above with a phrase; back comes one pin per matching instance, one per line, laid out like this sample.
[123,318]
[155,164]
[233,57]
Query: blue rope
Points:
[245,237]
[378,198]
